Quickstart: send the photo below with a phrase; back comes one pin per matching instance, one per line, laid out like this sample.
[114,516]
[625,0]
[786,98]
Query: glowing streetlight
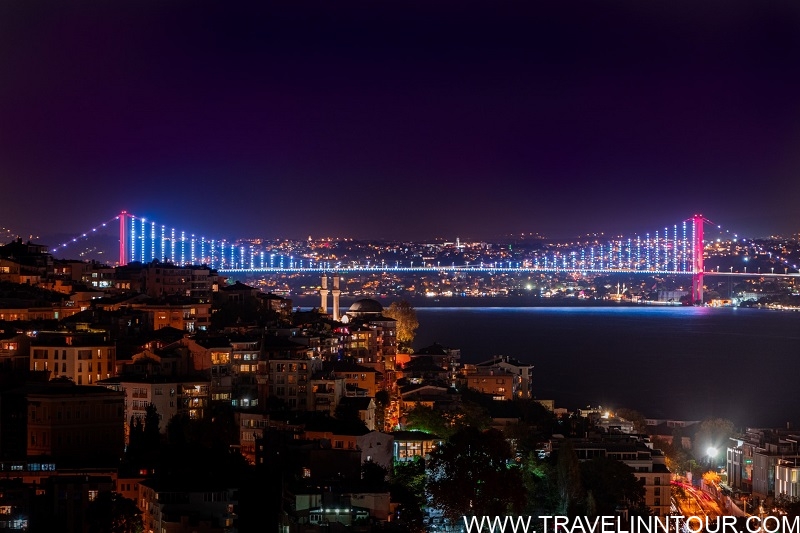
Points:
[712,452]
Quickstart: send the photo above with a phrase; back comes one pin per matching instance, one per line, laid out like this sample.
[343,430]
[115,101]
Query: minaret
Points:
[336,293]
[323,292]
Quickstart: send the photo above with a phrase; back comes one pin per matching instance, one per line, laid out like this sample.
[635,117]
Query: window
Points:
[220,358]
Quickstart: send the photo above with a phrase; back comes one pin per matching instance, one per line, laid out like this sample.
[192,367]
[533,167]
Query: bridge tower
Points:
[697,258]
[122,246]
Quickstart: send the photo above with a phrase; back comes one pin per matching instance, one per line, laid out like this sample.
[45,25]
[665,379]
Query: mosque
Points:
[372,335]
[365,309]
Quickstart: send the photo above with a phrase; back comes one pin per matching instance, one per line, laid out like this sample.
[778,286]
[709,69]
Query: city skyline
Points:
[410,122]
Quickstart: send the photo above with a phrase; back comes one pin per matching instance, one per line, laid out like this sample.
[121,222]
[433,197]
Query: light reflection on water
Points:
[679,362]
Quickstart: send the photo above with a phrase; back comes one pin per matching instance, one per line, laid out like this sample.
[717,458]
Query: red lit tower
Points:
[697,258]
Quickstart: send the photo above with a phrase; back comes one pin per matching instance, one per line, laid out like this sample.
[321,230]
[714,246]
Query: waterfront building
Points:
[497,382]
[523,372]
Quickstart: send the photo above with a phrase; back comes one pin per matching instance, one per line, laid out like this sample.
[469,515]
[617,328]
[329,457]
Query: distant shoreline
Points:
[478,301]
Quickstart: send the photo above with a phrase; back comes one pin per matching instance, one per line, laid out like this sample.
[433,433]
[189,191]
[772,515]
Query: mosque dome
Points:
[365,307]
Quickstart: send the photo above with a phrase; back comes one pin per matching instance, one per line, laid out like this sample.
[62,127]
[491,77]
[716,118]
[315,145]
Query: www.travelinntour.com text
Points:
[638,524]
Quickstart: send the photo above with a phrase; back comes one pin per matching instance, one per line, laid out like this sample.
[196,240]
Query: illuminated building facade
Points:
[84,358]
[522,387]
[499,383]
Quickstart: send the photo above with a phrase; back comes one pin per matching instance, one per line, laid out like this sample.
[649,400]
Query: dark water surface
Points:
[670,362]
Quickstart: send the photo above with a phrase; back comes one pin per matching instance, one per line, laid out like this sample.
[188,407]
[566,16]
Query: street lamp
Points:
[712,455]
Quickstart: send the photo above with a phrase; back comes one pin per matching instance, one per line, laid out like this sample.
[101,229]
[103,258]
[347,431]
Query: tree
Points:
[635,417]
[677,457]
[152,431]
[473,474]
[373,475]
[609,483]
[568,480]
[711,478]
[539,477]
[470,414]
[428,419]
[712,435]
[347,412]
[113,513]
[407,322]
[408,490]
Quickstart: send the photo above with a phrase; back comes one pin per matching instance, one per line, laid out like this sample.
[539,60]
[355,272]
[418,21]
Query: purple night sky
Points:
[400,119]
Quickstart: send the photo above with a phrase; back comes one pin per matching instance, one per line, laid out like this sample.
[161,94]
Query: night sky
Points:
[399,119]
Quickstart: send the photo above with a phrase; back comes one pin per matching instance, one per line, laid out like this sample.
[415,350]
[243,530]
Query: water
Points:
[667,362]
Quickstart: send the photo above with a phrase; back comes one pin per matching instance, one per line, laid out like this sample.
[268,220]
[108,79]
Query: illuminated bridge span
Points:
[675,250]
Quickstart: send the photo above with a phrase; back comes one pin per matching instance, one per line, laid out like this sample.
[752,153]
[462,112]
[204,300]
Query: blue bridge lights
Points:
[671,249]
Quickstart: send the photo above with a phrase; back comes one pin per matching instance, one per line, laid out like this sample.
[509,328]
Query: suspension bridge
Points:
[672,250]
